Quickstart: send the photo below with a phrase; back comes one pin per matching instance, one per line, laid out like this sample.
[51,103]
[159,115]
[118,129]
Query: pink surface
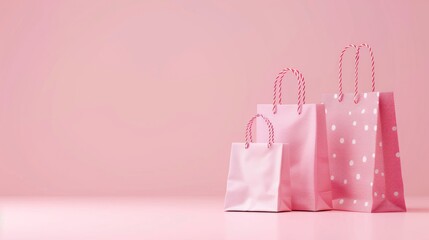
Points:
[145,97]
[196,218]
[364,152]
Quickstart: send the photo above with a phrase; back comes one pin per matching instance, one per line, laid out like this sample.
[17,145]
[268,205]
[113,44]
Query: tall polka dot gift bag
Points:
[303,127]
[363,146]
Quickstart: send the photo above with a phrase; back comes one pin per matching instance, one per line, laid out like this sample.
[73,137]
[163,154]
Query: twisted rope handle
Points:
[301,89]
[356,90]
[249,137]
[371,53]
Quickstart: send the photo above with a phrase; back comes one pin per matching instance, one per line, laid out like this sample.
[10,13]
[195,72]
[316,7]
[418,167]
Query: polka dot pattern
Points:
[359,151]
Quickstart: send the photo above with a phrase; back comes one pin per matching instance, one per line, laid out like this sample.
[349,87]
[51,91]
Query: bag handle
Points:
[249,138]
[356,91]
[301,89]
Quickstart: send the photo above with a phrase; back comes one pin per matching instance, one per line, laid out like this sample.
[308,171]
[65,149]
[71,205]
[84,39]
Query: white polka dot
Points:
[345,181]
[364,159]
[396,194]
[382,195]
[376,171]
[335,96]
[366,204]
[382,174]
[371,184]
[353,141]
[354,123]
[380,144]
[374,111]
[378,94]
[365,95]
[326,111]
[363,111]
[375,194]
[334,155]
[351,162]
[350,113]
[354,201]
[373,155]
[375,127]
[341,140]
[366,127]
[341,201]
[357,176]
[333,127]
[397,155]
[394,128]
[332,177]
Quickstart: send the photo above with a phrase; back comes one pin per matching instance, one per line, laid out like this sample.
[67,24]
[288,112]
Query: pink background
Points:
[145,97]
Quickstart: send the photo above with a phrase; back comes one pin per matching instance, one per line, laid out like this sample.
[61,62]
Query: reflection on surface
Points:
[195,218]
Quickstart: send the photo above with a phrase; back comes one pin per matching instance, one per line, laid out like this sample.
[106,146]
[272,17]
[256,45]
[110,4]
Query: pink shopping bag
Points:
[363,147]
[258,178]
[303,127]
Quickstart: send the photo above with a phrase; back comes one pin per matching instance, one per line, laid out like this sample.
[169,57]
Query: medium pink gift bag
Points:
[258,178]
[363,148]
[303,127]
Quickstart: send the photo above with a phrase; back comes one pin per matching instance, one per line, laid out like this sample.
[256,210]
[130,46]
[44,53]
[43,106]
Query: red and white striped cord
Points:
[249,138]
[356,82]
[371,53]
[301,89]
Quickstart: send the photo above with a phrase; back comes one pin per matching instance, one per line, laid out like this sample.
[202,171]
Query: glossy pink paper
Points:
[258,178]
[306,136]
[364,153]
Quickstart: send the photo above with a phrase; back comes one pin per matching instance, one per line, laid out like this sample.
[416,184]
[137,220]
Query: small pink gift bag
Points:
[258,178]
[363,147]
[303,127]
